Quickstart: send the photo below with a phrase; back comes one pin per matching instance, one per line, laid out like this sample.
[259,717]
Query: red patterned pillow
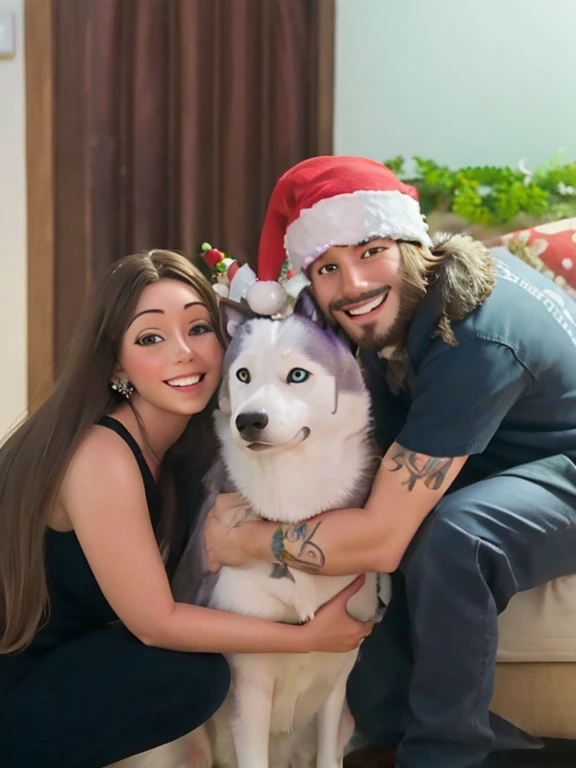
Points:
[555,245]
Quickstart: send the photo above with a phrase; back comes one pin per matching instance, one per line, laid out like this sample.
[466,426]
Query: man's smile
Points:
[366,310]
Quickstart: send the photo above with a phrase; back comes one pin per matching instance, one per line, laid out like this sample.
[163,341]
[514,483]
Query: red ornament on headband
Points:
[212,257]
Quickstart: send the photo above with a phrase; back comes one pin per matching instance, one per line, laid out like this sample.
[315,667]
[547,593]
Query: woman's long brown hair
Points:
[35,456]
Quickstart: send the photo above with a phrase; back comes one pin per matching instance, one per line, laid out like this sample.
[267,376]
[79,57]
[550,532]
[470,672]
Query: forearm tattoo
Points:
[430,469]
[293,545]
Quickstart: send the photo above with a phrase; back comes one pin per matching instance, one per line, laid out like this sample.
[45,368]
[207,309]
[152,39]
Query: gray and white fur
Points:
[294,429]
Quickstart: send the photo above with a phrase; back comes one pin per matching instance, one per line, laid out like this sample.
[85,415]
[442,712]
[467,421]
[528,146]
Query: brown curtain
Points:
[170,121]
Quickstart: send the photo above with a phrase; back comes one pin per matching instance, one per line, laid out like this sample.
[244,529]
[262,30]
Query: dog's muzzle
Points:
[251,424]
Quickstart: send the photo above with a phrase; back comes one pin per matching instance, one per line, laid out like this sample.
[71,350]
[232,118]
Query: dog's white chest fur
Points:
[297,686]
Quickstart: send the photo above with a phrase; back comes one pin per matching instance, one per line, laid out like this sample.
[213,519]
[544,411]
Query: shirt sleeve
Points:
[460,395]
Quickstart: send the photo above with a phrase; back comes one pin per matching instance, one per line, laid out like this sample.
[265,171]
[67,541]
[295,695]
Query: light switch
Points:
[7,46]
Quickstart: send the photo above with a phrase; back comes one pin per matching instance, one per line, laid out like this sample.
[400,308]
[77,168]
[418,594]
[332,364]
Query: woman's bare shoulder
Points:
[102,460]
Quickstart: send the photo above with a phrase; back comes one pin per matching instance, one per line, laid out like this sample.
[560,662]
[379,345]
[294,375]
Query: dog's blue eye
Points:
[297,376]
[243,375]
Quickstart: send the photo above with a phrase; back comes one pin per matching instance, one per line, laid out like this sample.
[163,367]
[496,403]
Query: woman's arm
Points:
[104,498]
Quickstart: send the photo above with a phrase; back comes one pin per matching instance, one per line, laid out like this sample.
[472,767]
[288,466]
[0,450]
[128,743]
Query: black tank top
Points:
[77,604]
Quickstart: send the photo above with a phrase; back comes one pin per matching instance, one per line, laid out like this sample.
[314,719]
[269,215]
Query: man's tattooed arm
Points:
[407,486]
[293,545]
[429,469]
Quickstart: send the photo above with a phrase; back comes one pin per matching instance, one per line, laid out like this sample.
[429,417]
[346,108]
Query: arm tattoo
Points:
[428,468]
[304,553]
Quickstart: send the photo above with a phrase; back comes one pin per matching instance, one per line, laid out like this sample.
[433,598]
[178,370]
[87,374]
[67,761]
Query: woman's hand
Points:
[333,630]
[229,512]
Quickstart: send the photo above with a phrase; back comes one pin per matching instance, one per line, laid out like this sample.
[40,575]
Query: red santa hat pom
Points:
[326,201]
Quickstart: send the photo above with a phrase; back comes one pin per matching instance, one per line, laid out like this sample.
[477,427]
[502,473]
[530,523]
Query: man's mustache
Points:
[350,301]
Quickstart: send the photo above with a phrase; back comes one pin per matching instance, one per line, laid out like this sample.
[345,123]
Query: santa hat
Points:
[326,201]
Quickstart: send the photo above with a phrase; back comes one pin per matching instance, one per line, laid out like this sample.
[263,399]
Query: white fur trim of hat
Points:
[350,219]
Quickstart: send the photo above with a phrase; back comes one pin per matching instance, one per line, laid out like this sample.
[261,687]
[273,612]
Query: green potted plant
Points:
[487,201]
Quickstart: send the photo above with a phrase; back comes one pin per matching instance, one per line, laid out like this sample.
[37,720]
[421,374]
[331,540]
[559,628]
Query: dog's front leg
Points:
[330,746]
[252,699]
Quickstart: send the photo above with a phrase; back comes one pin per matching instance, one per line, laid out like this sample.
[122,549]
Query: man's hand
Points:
[229,512]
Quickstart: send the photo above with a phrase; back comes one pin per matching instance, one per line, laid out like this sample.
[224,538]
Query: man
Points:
[470,358]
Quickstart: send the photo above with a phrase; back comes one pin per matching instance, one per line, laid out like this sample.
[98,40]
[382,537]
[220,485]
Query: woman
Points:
[97,661]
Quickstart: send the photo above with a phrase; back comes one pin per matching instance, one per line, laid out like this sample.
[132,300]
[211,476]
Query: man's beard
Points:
[373,341]
[366,336]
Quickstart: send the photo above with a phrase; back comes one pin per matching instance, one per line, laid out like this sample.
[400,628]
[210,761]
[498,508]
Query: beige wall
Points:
[12,228]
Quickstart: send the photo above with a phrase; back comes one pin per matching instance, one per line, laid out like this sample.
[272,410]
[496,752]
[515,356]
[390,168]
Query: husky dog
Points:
[294,429]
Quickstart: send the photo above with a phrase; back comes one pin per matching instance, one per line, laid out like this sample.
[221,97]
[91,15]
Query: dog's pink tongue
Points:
[259,446]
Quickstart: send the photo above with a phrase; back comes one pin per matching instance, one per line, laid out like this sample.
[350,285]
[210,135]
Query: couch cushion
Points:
[554,244]
[540,624]
[540,699]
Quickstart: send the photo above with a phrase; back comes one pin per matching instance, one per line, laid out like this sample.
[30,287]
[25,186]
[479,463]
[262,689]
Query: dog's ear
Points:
[232,315]
[306,306]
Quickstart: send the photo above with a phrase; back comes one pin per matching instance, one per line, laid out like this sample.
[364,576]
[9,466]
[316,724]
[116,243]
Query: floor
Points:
[556,754]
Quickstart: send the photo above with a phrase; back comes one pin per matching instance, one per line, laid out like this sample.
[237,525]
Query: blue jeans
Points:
[425,677]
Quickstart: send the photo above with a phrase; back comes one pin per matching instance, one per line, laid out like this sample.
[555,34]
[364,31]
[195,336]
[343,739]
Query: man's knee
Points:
[457,547]
[448,530]
[463,517]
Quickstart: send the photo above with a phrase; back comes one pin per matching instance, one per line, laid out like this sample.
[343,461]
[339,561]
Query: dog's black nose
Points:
[251,421]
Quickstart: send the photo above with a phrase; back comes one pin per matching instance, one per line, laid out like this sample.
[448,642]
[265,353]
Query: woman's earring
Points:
[124,388]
